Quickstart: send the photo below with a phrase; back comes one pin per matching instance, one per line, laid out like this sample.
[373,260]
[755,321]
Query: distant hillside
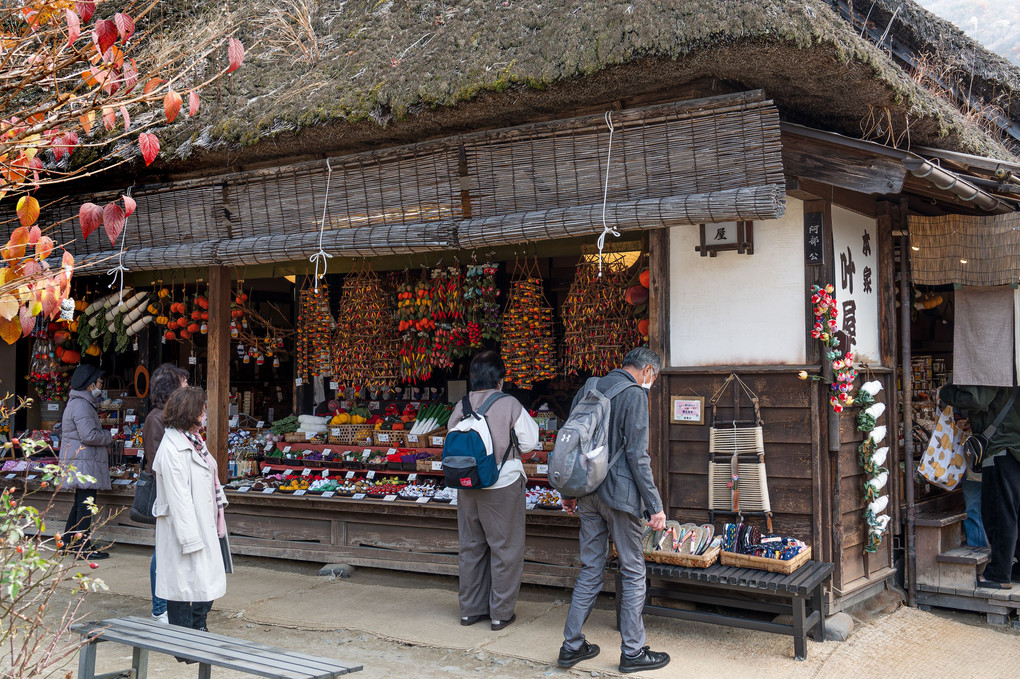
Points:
[993,23]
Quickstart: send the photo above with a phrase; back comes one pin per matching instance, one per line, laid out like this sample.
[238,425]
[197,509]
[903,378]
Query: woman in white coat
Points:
[190,572]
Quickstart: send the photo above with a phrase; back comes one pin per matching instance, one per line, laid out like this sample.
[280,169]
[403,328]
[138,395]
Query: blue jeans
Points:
[158,605]
[972,525]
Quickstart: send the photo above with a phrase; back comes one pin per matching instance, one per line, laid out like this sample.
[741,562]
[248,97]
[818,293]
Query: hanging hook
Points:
[605,193]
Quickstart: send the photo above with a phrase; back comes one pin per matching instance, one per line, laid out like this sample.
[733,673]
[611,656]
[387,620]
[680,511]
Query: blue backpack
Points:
[468,458]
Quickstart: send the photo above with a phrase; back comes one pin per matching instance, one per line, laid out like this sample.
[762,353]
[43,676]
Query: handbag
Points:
[976,445]
[145,497]
[943,463]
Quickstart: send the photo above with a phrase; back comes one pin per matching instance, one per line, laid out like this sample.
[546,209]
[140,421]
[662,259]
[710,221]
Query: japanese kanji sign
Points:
[814,240]
[856,280]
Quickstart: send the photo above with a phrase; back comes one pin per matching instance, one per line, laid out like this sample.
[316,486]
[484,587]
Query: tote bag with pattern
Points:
[943,463]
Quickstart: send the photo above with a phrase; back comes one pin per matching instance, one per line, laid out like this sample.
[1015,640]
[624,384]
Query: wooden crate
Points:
[388,437]
[761,563]
[423,440]
[349,434]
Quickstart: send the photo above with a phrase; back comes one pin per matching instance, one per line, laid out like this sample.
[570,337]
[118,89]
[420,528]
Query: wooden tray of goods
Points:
[761,563]
[685,560]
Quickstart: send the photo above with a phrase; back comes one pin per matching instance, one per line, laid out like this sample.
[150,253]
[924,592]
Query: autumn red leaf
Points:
[149,146]
[125,26]
[73,26]
[193,103]
[171,105]
[235,54]
[27,321]
[127,118]
[28,210]
[113,221]
[129,205]
[34,234]
[87,120]
[109,118]
[104,34]
[85,9]
[90,216]
[10,330]
[15,248]
[130,75]
[44,247]
[151,84]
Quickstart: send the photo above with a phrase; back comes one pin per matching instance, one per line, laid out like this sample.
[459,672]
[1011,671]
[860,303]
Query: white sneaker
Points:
[163,619]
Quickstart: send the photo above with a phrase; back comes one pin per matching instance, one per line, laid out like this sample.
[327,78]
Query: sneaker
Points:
[472,619]
[571,658]
[91,556]
[500,624]
[645,660]
[162,618]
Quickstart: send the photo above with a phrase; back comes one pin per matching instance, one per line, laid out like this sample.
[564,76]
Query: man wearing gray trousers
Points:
[615,511]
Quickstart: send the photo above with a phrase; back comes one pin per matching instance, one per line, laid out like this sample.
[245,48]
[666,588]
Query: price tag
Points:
[306,472]
[300,492]
[10,476]
[335,431]
[391,451]
[416,405]
[244,489]
[359,496]
[52,406]
[437,441]
[412,477]
[412,438]
[453,502]
[114,431]
[334,385]
[366,453]
[373,405]
[130,418]
[329,493]
[389,498]
[122,482]
[260,424]
[530,505]
[288,472]
[382,438]
[233,422]
[266,471]
[192,360]
[286,449]
[325,473]
[542,469]
[349,475]
[268,491]
[327,451]
[422,500]
[298,382]
[437,466]
[370,475]
[32,476]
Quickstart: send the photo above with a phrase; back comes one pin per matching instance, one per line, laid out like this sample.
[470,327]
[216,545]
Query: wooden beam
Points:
[218,365]
[851,200]
[842,165]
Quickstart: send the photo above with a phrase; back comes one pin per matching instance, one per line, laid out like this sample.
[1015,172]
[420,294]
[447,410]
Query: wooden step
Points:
[939,520]
[966,554]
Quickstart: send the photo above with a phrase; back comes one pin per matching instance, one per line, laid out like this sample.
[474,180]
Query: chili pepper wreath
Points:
[364,343]
[481,298]
[313,353]
[872,457]
[449,332]
[599,322]
[415,324]
[824,330]
[528,348]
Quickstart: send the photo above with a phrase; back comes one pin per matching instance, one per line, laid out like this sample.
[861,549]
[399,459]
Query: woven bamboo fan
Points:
[737,482]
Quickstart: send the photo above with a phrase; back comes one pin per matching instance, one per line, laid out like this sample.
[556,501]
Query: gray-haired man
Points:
[615,511]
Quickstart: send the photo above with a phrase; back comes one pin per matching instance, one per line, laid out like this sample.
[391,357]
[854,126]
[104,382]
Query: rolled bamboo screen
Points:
[965,249]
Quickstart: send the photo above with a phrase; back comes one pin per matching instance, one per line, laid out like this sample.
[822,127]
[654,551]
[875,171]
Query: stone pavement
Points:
[285,603]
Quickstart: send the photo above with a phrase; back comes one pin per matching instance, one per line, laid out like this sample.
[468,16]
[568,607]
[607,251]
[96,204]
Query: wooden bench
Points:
[205,648]
[798,594]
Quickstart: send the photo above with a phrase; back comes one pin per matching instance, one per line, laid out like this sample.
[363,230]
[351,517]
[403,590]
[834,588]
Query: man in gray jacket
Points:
[615,511]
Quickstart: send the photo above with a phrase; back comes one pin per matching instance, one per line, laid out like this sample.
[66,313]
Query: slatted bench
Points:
[798,594]
[205,648]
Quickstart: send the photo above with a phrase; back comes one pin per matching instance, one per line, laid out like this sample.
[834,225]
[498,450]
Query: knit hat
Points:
[84,375]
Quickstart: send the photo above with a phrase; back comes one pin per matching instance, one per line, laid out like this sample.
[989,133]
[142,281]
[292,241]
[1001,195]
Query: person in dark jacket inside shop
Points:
[84,445]
[978,407]
[615,512]
[166,379]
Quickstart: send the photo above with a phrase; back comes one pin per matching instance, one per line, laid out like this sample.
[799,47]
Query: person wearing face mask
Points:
[490,521]
[84,445]
[615,512]
[189,511]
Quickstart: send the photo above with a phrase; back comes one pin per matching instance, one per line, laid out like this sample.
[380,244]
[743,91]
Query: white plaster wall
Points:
[848,233]
[737,309]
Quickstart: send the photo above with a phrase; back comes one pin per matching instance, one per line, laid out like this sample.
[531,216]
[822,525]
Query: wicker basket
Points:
[422,440]
[295,437]
[349,434]
[426,465]
[761,563]
[388,437]
[685,560]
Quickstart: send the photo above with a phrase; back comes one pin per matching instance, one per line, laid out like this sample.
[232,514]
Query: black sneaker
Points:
[91,556]
[645,660]
[500,624]
[472,619]
[571,658]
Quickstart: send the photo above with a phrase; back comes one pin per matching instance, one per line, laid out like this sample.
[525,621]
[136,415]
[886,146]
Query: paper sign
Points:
[298,382]
[288,472]
[266,470]
[325,473]
[349,475]
[260,424]
[286,449]
[233,422]
[114,431]
[334,385]
[299,492]
[453,502]
[10,476]
[335,431]
[366,452]
[389,498]
[52,406]
[327,451]
[412,477]
[391,451]
[131,418]
[437,466]
[373,405]
[359,496]
[118,482]
[328,493]
[370,475]
[306,472]
[32,476]
[382,438]
[244,489]
[192,360]
[422,500]
[268,491]
[412,438]
[437,441]
[542,469]
[530,505]
[416,405]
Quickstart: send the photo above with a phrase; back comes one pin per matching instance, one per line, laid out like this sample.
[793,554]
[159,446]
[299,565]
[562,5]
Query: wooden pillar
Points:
[658,341]
[218,366]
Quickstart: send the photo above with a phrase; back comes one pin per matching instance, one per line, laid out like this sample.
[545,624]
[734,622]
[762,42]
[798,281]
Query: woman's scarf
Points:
[221,497]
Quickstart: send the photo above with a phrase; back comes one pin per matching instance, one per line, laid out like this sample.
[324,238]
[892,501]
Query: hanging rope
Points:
[322,256]
[606,229]
[118,271]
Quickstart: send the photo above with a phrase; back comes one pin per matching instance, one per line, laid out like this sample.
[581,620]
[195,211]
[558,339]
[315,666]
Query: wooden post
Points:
[218,366]
[658,341]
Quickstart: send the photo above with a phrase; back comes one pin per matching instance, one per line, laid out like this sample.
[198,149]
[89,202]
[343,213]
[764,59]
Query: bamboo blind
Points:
[965,250]
[709,160]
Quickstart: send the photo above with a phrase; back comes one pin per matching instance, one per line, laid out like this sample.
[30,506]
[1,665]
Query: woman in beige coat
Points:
[190,571]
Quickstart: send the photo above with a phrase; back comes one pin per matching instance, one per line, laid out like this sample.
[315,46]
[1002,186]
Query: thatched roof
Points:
[379,72]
